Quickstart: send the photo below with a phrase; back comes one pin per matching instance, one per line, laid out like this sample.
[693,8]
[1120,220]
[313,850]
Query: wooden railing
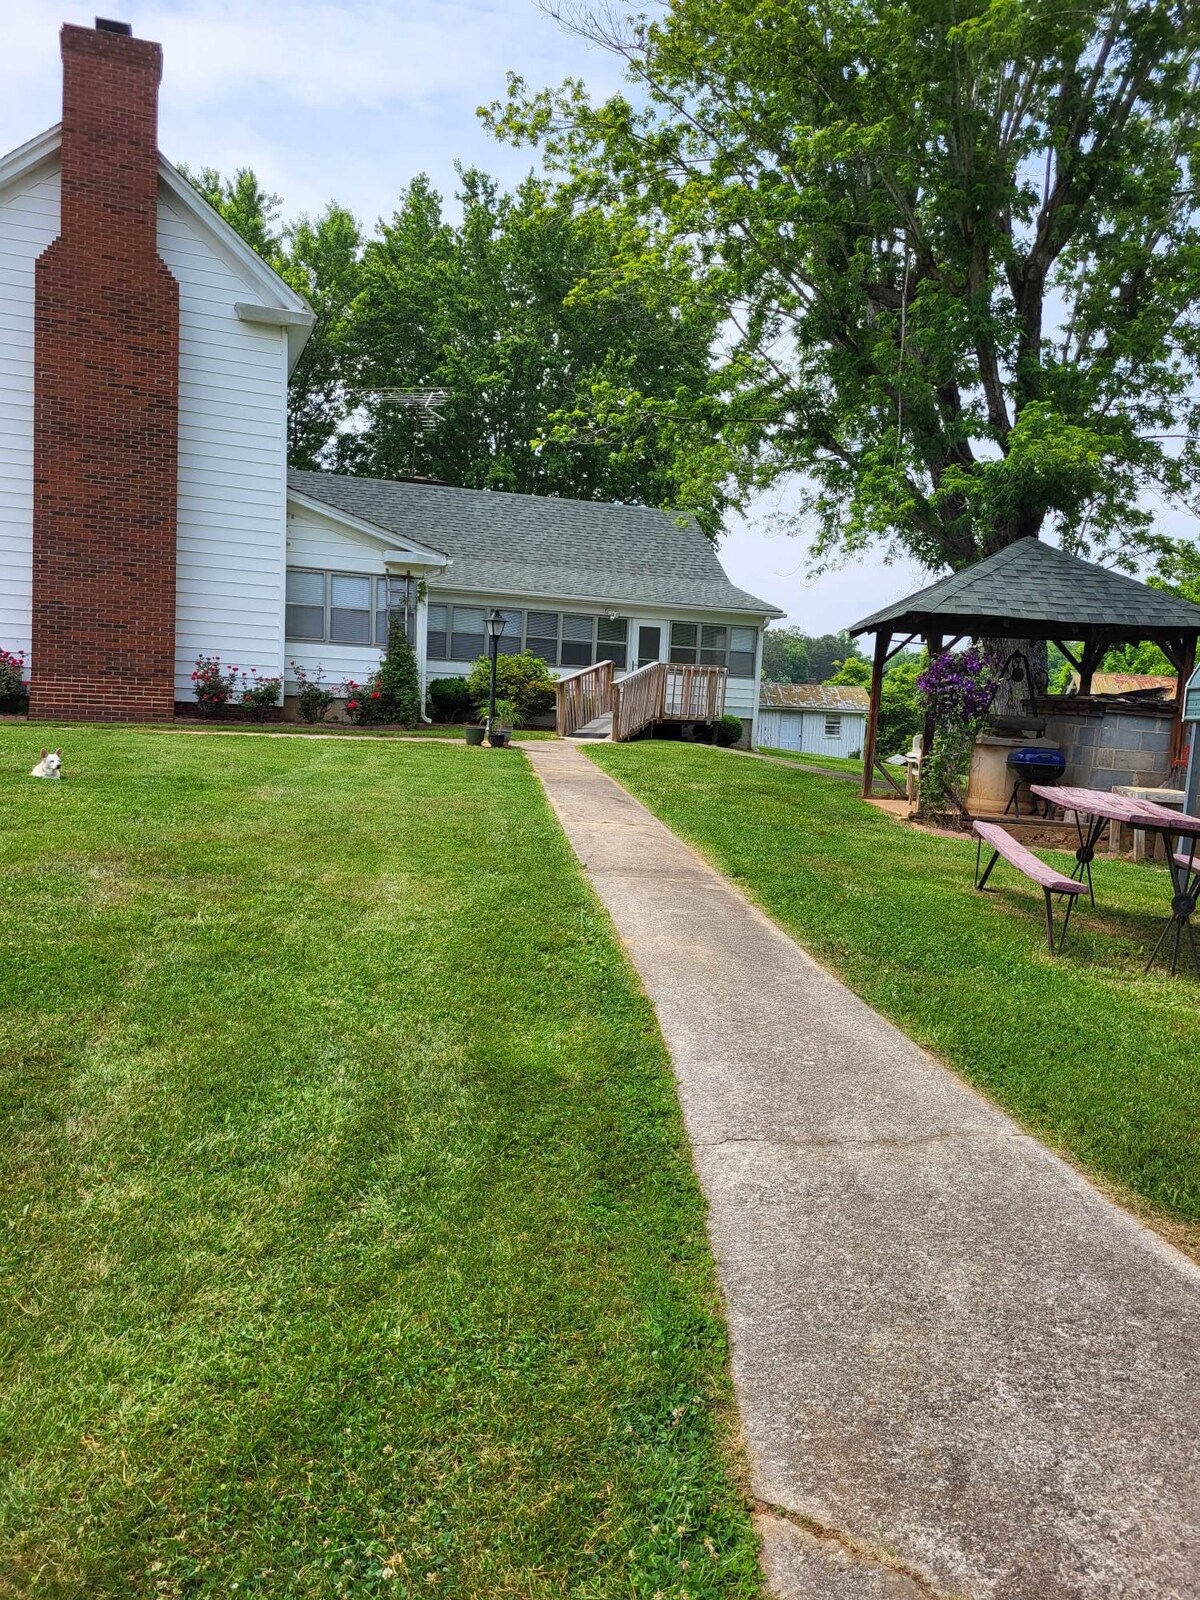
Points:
[667,692]
[582,696]
[694,694]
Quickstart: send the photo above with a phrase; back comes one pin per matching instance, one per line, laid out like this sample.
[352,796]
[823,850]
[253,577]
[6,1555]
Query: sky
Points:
[349,101]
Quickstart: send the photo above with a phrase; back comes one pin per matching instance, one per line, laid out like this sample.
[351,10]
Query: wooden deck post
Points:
[882,640]
[1187,663]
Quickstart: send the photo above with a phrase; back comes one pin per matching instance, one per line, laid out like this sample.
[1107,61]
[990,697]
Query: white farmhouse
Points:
[146,512]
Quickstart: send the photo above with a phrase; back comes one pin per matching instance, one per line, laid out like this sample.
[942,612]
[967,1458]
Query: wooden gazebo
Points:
[1032,590]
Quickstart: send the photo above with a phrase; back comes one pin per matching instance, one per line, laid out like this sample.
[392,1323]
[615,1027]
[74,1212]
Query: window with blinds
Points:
[345,607]
[612,640]
[715,645]
[578,634]
[541,635]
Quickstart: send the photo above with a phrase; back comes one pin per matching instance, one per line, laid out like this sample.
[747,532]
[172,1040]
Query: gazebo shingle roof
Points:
[1034,589]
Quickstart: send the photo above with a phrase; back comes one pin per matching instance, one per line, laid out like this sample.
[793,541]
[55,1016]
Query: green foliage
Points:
[901,713]
[313,699]
[561,331]
[450,700]
[959,248]
[729,731]
[14,691]
[259,697]
[792,656]
[345,1191]
[524,679]
[785,657]
[508,716]
[1092,1054]
[853,672]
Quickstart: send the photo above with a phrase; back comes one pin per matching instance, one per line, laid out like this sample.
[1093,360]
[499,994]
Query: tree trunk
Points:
[1021,660]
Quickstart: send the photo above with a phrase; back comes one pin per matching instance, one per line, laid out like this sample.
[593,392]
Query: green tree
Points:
[900,711]
[958,249]
[565,337]
[827,651]
[853,672]
[785,657]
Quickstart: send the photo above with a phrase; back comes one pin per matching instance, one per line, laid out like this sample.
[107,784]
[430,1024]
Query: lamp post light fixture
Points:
[496,625]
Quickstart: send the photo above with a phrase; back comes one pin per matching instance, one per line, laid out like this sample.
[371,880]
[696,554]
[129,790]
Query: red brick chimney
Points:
[106,365]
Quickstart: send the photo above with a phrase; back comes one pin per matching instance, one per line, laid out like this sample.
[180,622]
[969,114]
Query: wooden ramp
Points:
[594,704]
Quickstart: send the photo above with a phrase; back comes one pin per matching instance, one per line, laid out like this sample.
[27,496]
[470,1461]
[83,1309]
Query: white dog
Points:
[50,766]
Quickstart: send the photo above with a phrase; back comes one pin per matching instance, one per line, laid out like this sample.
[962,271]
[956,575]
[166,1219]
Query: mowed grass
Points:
[805,758]
[1097,1058]
[350,1245]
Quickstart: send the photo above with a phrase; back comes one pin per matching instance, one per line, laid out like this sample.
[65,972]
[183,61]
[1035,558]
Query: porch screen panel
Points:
[467,633]
[684,637]
[577,635]
[305,618]
[437,632]
[612,640]
[541,635]
[714,646]
[349,609]
[742,642]
[510,639]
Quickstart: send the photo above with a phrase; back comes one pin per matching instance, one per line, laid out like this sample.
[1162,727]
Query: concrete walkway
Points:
[961,1370]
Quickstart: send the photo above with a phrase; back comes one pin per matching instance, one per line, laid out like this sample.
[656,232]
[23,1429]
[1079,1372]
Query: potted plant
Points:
[502,724]
[475,732]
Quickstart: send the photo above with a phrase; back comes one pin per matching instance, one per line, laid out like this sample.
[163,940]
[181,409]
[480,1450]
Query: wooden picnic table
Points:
[1101,806]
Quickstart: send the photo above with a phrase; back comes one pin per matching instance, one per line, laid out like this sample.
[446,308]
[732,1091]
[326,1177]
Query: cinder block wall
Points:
[1105,749]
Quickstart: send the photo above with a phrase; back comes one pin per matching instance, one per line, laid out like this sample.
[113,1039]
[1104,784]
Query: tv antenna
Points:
[425,405]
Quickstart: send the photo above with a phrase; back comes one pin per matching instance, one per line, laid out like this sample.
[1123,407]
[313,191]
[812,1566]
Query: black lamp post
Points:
[496,625]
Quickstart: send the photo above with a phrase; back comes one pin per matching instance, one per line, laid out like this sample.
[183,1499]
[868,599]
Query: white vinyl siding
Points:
[232,461]
[28,223]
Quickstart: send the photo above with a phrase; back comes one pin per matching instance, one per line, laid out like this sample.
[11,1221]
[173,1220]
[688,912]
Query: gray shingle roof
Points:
[522,544]
[1030,582]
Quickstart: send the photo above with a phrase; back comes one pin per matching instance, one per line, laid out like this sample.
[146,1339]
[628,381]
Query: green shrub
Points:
[451,700]
[313,699]
[393,694]
[259,696]
[523,679]
[729,731]
[14,691]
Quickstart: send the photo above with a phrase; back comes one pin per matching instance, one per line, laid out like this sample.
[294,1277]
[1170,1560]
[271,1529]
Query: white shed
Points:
[812,717]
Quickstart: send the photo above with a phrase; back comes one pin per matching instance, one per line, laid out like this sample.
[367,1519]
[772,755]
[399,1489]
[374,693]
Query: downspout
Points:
[758,655]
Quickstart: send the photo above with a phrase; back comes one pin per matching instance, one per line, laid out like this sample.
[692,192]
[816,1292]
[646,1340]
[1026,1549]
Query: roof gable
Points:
[514,544]
[267,289]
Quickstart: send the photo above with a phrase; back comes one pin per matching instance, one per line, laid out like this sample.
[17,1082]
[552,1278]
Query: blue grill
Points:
[1034,765]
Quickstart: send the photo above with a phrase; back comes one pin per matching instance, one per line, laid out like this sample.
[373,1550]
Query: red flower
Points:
[351,705]
[374,694]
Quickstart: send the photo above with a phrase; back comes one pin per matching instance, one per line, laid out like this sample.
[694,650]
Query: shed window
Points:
[833,727]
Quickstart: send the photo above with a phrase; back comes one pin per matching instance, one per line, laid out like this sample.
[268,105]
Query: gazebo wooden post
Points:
[933,648]
[1187,664]
[882,640]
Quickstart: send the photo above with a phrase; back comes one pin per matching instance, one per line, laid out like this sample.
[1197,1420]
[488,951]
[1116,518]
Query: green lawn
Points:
[1097,1058]
[807,759]
[350,1242]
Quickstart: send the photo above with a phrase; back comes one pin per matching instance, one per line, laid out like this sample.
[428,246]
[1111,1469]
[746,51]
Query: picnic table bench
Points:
[1048,878]
[1099,805]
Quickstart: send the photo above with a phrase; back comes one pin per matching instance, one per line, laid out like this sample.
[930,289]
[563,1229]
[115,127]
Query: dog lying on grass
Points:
[50,765]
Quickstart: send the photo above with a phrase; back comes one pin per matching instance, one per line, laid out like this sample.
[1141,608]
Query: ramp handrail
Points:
[582,696]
